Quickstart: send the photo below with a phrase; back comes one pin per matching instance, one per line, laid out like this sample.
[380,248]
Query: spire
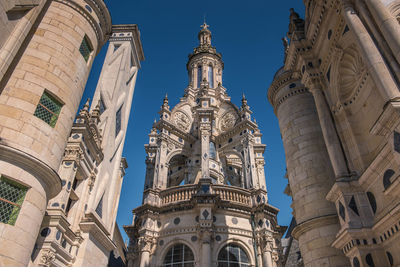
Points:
[244,101]
[165,102]
[205,35]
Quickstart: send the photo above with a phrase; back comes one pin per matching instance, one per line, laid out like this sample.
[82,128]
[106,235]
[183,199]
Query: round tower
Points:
[37,108]
[309,170]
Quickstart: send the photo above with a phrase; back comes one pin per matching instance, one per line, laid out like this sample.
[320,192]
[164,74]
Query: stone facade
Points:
[61,178]
[205,191]
[337,100]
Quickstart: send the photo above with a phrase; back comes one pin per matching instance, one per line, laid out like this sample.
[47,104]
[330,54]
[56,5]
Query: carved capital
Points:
[146,243]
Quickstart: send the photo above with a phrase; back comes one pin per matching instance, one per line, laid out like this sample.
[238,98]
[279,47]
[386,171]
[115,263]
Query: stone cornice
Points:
[90,224]
[310,224]
[33,165]
[101,29]
[134,30]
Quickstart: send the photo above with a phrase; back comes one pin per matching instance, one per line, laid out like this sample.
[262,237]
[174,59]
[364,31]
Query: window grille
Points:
[118,117]
[85,48]
[12,195]
[48,109]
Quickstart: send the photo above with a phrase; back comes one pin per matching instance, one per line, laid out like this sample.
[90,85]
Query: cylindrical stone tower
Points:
[37,106]
[309,170]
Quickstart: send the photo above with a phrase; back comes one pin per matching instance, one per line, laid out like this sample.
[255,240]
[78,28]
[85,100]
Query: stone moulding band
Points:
[34,166]
[102,31]
[313,223]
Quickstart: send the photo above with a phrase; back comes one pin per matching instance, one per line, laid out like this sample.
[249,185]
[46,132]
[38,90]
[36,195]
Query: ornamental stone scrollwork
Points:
[47,258]
[228,121]
[352,73]
[275,256]
[182,120]
[92,179]
[73,153]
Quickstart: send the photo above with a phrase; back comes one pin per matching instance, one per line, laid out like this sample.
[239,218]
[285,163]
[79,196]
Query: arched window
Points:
[386,178]
[356,262]
[232,255]
[369,260]
[390,258]
[372,201]
[210,76]
[199,75]
[213,152]
[179,255]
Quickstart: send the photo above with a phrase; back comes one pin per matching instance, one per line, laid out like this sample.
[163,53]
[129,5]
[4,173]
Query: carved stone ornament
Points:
[182,120]
[146,244]
[227,121]
[47,257]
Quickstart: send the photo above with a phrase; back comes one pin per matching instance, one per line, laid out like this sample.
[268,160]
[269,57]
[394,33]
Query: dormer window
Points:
[210,76]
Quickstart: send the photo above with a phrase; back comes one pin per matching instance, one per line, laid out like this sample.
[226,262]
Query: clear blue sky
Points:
[247,34]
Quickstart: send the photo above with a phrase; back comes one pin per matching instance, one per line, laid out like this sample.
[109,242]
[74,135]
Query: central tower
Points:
[205,198]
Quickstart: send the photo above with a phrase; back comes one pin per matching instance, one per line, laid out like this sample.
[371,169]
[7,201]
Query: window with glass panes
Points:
[48,109]
[179,255]
[233,256]
[85,48]
[12,195]
[118,118]
[211,76]
[102,106]
[199,76]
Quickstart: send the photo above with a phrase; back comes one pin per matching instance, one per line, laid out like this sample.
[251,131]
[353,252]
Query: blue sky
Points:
[247,34]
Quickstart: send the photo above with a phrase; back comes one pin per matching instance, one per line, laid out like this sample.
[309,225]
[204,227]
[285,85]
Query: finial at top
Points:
[204,26]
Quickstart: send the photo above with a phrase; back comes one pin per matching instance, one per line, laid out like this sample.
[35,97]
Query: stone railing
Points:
[226,193]
[177,194]
[233,194]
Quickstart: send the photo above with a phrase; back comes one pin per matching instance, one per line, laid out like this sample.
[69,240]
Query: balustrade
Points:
[185,193]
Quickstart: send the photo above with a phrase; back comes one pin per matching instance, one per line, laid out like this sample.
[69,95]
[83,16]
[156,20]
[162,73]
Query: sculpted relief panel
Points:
[352,71]
[228,120]
[182,120]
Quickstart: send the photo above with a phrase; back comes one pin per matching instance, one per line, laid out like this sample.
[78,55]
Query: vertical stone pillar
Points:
[145,259]
[205,147]
[161,169]
[248,154]
[387,23]
[375,63]
[331,138]
[206,250]
[267,259]
[145,244]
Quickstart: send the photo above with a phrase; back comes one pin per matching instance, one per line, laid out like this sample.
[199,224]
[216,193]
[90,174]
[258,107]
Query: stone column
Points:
[145,259]
[331,138]
[387,23]
[267,259]
[375,63]
[145,247]
[206,250]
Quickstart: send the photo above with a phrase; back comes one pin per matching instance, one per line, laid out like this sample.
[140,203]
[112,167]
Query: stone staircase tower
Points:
[205,196]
